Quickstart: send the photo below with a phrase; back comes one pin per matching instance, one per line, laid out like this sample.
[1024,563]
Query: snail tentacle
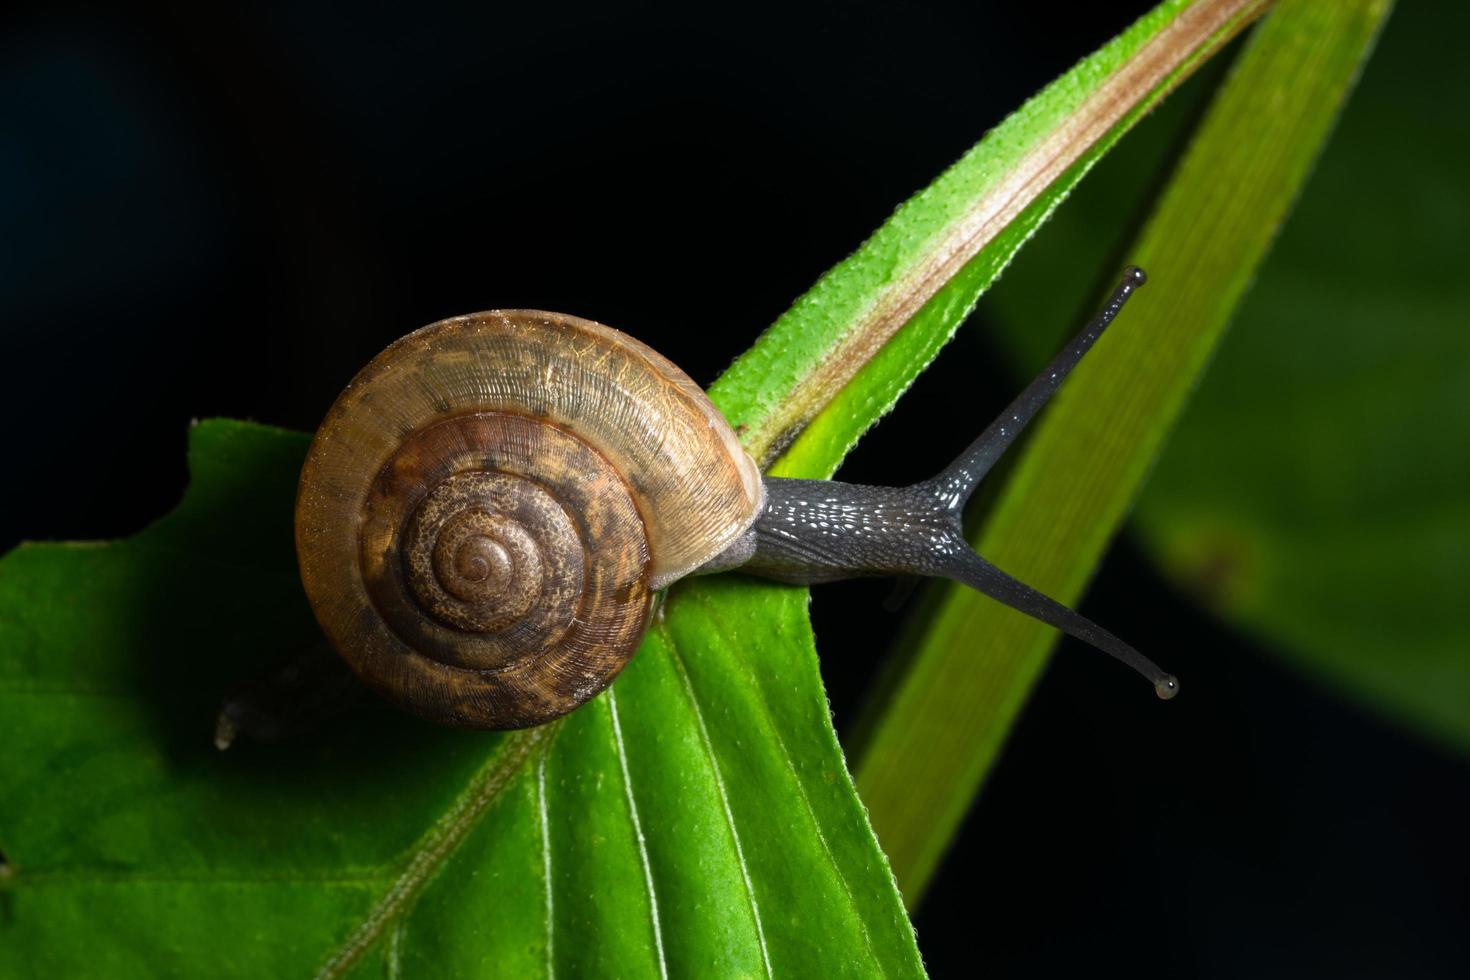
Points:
[982,576]
[958,480]
[823,530]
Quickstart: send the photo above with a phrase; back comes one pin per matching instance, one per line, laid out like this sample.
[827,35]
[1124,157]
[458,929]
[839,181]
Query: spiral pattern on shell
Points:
[488,507]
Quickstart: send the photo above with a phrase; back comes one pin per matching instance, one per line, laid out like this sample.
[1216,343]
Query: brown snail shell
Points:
[487,509]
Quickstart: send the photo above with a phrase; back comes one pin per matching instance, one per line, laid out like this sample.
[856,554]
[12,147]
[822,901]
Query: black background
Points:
[211,212]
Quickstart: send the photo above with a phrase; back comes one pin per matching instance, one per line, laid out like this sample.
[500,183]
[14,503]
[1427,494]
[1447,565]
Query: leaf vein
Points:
[709,751]
[395,965]
[436,845]
[617,730]
[543,814]
[775,730]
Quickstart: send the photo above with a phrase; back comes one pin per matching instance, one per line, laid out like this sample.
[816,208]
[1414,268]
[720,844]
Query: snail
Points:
[489,508]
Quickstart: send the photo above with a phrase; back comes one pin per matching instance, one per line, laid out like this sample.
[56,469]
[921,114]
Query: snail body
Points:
[490,506]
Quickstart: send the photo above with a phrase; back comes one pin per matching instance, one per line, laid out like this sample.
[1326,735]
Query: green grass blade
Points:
[835,362]
[937,736]
[1308,497]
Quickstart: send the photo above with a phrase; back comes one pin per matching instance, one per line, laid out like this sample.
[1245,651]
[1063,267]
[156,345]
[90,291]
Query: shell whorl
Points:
[487,508]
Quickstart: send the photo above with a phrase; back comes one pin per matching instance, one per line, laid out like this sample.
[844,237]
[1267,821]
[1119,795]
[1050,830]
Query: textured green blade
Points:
[840,357]
[696,819]
[974,665]
[1317,490]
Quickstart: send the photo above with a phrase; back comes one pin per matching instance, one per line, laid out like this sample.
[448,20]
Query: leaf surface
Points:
[697,818]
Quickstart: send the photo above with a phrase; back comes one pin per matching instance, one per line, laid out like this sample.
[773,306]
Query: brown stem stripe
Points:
[1160,63]
[431,851]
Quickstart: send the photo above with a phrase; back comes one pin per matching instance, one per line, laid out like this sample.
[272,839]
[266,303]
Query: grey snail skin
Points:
[490,507]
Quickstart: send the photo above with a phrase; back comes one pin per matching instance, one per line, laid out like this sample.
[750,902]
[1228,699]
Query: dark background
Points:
[209,212]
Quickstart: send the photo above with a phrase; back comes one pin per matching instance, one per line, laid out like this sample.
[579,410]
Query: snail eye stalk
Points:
[818,531]
[959,479]
[983,577]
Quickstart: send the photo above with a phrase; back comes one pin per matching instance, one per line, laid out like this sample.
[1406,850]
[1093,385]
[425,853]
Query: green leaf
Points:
[1316,494]
[697,818]
[976,661]
[840,357]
